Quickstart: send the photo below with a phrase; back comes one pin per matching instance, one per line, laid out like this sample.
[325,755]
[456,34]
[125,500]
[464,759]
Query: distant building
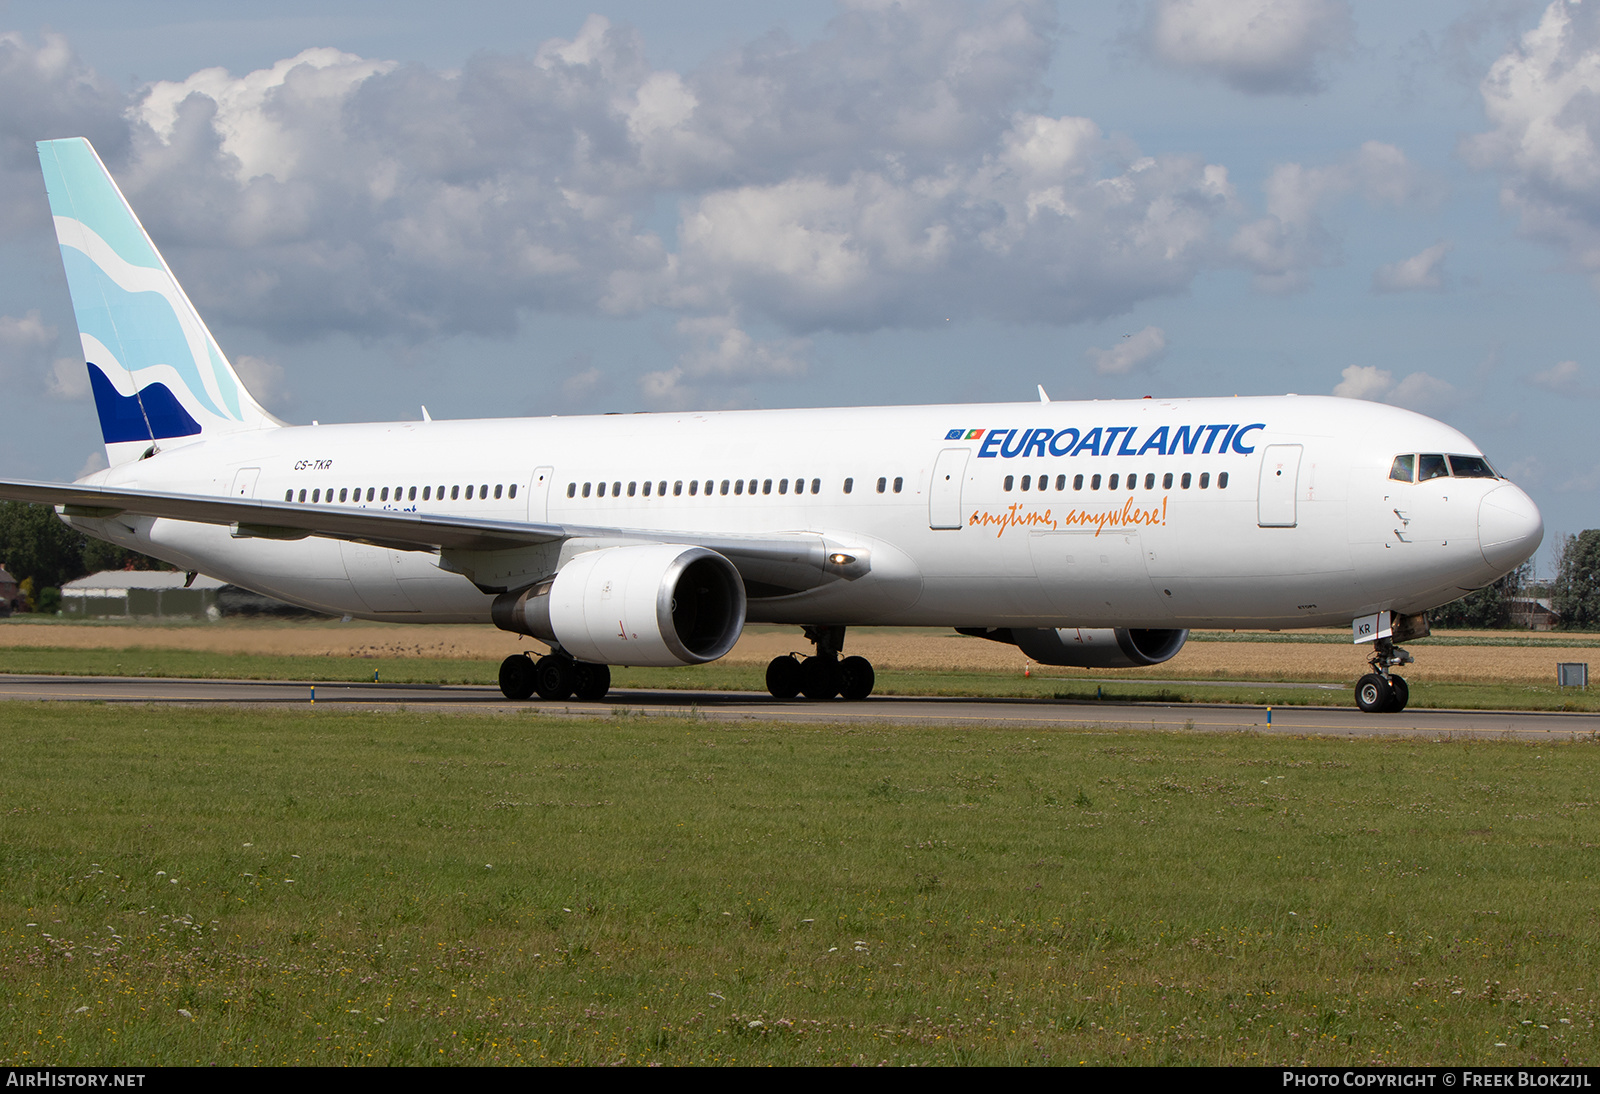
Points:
[128,593]
[1533,613]
[162,594]
[10,595]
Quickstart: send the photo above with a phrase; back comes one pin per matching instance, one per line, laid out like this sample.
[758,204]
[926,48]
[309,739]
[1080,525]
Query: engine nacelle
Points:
[1119,648]
[659,604]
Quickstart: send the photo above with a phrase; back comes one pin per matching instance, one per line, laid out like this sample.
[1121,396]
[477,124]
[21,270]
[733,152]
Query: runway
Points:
[723,706]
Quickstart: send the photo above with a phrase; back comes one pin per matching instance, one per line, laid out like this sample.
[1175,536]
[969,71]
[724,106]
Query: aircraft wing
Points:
[755,555]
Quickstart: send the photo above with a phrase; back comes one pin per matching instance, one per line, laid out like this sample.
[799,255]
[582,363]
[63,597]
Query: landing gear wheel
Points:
[1402,693]
[783,677]
[516,677]
[856,678]
[552,678]
[1374,695]
[590,682]
[819,677]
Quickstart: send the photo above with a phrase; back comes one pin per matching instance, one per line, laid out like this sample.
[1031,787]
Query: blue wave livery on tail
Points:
[157,374]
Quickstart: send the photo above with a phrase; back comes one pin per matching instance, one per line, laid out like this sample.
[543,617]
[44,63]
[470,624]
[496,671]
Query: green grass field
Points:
[1044,684]
[220,886]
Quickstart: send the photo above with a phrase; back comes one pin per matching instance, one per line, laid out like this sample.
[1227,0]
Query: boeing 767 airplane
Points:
[1089,534]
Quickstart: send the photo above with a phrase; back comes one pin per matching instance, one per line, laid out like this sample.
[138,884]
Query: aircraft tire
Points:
[552,678]
[1374,695]
[590,682]
[1402,692]
[856,678]
[819,678]
[516,677]
[783,677]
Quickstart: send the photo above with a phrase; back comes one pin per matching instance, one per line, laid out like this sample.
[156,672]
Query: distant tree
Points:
[1487,609]
[37,547]
[1576,592]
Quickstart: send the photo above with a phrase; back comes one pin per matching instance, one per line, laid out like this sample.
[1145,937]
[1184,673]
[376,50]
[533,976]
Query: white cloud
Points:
[1565,378]
[1140,350]
[1283,246]
[720,361]
[1364,382]
[265,379]
[67,378]
[895,171]
[1542,99]
[1259,47]
[1418,390]
[1419,272]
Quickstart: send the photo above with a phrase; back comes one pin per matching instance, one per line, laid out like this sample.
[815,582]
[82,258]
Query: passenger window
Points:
[455,493]
[371,490]
[344,492]
[647,485]
[585,489]
[288,495]
[661,489]
[411,495]
[1077,482]
[316,495]
[1205,479]
[1404,468]
[616,490]
[711,487]
[900,482]
[1431,466]
[1061,482]
[1184,482]
[1010,481]
[497,491]
[816,486]
[1150,481]
[1094,483]
[1111,484]
[303,496]
[724,487]
[738,486]
[1166,481]
[1026,480]
[766,486]
[1133,481]
[600,490]
[632,488]
[1222,480]
[752,486]
[694,487]
[1471,467]
[385,495]
[677,488]
[849,484]
[427,492]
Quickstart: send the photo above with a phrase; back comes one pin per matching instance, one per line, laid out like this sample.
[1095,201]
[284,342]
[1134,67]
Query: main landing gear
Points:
[1382,691]
[823,675]
[553,678]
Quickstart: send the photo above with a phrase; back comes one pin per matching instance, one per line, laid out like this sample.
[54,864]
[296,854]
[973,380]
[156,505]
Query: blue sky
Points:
[563,207]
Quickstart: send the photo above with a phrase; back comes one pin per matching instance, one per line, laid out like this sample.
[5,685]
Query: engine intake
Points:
[1119,648]
[655,604]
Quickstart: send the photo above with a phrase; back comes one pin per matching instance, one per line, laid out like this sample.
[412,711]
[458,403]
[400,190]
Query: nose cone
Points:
[1509,528]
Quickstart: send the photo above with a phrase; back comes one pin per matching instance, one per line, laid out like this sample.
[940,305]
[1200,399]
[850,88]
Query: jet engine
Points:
[1119,648]
[660,604]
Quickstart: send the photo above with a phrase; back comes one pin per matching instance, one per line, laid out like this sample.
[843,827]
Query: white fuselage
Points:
[1309,529]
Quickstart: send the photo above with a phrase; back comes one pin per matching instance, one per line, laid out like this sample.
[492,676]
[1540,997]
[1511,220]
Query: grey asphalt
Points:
[749,706]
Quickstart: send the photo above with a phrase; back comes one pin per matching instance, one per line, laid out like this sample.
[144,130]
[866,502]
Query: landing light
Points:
[841,559]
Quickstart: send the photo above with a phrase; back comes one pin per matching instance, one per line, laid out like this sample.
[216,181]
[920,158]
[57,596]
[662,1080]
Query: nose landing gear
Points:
[1382,691]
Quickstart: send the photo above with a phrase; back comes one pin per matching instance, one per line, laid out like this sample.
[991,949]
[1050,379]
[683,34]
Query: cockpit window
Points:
[1471,467]
[1431,465]
[1404,469]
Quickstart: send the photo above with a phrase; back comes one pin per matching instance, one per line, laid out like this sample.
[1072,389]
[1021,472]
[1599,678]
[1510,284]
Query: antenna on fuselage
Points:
[426,416]
[1043,398]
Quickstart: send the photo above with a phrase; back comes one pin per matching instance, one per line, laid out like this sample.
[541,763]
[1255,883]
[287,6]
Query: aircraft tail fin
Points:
[159,378]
